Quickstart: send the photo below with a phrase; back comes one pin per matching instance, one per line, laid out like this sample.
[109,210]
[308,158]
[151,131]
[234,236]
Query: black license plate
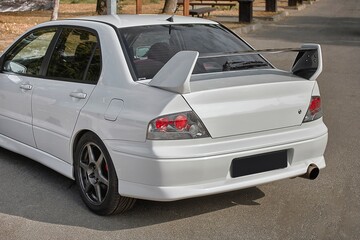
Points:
[258,163]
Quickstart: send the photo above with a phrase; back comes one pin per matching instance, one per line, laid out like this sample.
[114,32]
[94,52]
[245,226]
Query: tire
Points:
[96,177]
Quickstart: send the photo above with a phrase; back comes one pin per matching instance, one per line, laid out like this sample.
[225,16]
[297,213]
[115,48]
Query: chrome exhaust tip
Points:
[312,172]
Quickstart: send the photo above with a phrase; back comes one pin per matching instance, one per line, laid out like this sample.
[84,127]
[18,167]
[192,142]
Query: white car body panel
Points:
[168,171]
[280,101]
[53,129]
[132,122]
[119,110]
[124,20]
[15,109]
[58,165]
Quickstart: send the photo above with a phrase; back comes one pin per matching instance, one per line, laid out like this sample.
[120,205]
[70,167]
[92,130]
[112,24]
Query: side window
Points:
[76,57]
[27,56]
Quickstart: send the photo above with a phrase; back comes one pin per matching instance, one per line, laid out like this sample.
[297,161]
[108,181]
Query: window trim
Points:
[1,62]
[49,52]
[125,49]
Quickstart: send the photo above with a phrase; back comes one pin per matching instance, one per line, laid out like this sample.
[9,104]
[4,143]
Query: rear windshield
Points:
[150,47]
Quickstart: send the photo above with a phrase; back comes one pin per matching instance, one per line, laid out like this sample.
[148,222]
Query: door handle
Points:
[79,95]
[26,87]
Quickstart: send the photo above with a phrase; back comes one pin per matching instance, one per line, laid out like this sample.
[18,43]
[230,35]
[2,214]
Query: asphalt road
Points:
[37,203]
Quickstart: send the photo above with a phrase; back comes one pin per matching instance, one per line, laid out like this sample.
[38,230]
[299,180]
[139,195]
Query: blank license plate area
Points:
[258,163]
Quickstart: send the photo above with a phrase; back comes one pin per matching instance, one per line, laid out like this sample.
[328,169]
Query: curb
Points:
[261,21]
[248,28]
[297,8]
[281,15]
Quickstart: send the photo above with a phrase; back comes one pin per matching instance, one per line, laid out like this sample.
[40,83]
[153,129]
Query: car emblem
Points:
[299,111]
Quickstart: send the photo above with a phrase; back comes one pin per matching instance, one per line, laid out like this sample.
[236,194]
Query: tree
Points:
[55,12]
[101,7]
[169,6]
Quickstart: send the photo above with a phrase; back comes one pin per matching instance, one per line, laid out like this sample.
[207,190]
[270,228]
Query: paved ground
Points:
[37,203]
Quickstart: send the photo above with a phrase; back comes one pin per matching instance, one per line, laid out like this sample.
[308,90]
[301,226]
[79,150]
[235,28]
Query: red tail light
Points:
[315,105]
[162,123]
[314,112]
[181,122]
[185,125]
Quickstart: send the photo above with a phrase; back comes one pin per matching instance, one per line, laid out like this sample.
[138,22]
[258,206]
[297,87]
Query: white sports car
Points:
[158,107]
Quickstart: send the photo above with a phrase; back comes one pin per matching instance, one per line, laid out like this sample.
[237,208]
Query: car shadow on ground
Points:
[33,191]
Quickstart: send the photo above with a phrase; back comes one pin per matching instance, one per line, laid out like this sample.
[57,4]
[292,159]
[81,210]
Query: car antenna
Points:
[171,19]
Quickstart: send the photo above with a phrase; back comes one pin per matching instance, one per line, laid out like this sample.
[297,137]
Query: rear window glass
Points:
[150,47]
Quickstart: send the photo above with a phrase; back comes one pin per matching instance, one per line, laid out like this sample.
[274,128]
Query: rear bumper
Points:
[173,170]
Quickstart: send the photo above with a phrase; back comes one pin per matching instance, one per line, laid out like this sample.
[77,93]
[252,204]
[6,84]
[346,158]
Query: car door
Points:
[21,67]
[71,75]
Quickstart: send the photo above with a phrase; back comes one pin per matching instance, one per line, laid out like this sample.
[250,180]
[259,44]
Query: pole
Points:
[186,8]
[55,12]
[138,6]
[245,10]
[111,7]
[271,5]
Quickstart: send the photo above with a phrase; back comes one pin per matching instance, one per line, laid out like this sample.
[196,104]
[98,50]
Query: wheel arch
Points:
[75,142]
[110,202]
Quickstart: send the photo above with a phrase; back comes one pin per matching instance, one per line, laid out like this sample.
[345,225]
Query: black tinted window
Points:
[150,47]
[28,54]
[76,57]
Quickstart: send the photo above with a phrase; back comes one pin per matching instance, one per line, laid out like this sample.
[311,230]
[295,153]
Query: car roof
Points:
[122,21]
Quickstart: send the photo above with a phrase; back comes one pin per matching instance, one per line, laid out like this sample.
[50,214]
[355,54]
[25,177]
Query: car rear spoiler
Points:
[175,75]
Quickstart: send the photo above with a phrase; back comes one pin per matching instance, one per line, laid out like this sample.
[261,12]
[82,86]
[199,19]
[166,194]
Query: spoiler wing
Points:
[308,63]
[175,75]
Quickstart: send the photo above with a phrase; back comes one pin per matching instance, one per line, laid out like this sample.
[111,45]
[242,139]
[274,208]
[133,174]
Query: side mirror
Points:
[308,62]
[15,67]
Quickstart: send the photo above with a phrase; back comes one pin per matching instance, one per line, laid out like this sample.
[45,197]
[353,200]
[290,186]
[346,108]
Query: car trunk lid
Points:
[249,101]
